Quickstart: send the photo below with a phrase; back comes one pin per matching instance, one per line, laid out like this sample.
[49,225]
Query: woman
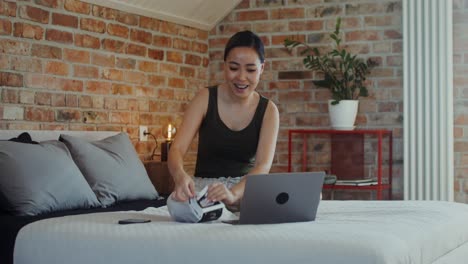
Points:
[237,128]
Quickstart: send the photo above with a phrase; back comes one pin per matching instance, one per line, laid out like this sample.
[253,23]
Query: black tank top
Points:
[223,152]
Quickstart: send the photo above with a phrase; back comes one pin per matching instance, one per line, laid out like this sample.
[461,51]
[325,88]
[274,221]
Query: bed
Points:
[344,232]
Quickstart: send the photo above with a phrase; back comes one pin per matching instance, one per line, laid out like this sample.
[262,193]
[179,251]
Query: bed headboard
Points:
[42,135]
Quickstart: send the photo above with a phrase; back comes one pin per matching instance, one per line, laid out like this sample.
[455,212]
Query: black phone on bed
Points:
[133,221]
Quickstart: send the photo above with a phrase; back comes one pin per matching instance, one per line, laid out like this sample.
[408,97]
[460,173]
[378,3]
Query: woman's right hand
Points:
[184,189]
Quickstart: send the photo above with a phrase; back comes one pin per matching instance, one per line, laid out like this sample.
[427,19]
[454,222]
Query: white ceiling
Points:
[202,14]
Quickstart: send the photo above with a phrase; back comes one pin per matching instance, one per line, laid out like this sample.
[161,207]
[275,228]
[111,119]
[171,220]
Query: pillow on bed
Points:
[41,178]
[112,168]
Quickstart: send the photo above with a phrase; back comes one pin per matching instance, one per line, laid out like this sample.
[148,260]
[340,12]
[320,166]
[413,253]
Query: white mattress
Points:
[344,232]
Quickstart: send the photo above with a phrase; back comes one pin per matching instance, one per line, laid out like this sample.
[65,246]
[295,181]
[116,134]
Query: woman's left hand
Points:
[219,192]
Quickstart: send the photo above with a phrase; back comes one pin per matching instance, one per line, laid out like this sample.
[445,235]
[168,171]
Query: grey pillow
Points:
[112,168]
[41,178]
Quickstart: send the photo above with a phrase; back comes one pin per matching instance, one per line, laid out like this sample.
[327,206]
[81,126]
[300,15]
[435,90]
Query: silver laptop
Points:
[281,197]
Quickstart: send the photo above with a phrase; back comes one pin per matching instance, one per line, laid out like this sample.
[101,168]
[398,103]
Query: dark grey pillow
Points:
[41,178]
[112,168]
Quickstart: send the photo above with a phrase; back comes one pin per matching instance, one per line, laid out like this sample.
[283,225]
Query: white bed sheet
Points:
[416,232]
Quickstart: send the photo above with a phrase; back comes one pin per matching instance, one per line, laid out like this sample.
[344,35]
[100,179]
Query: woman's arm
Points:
[193,116]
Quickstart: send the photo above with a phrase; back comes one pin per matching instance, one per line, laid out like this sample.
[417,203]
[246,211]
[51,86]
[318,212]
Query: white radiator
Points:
[428,100]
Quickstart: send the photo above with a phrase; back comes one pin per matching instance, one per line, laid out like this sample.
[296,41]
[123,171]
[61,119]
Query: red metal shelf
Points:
[379,133]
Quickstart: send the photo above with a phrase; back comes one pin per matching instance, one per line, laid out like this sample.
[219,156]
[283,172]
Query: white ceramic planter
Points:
[343,114]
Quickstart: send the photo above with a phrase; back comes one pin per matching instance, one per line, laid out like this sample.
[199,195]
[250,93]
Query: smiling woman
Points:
[237,127]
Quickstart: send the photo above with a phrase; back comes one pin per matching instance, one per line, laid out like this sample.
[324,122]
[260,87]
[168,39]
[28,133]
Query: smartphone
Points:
[133,221]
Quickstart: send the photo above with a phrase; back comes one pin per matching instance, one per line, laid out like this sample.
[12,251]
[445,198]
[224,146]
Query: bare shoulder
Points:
[200,101]
[272,109]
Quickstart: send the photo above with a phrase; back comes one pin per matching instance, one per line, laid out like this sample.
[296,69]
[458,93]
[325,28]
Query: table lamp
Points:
[168,132]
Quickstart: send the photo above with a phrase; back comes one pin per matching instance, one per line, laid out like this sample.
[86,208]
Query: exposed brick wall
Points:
[71,65]
[67,64]
[460,82]
[371,28]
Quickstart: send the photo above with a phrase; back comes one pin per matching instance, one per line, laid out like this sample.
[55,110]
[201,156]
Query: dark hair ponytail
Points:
[245,39]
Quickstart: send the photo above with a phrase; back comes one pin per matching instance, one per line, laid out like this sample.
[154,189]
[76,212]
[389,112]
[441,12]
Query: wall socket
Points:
[143,137]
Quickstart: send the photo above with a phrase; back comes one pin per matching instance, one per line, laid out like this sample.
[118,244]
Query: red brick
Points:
[192,59]
[252,15]
[308,25]
[113,45]
[156,81]
[181,44]
[121,89]
[43,98]
[188,32]
[14,47]
[287,13]
[113,74]
[166,94]
[59,36]
[11,79]
[80,56]
[87,41]
[149,23]
[26,64]
[137,50]
[44,51]
[156,54]
[65,20]
[362,35]
[4,62]
[85,71]
[140,36]
[144,91]
[271,27]
[199,47]
[5,27]
[34,14]
[117,30]
[26,97]
[96,87]
[120,117]
[71,100]
[126,18]
[104,12]
[92,25]
[38,114]
[28,31]
[148,66]
[47,3]
[85,101]
[187,72]
[102,59]
[125,63]
[96,117]
[169,28]
[134,77]
[392,34]
[8,8]
[162,41]
[68,115]
[70,85]
[56,68]
[217,43]
[10,96]
[110,103]
[77,6]
[176,82]
[175,56]
[58,100]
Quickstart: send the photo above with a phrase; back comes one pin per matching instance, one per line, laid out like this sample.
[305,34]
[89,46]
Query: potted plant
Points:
[344,75]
